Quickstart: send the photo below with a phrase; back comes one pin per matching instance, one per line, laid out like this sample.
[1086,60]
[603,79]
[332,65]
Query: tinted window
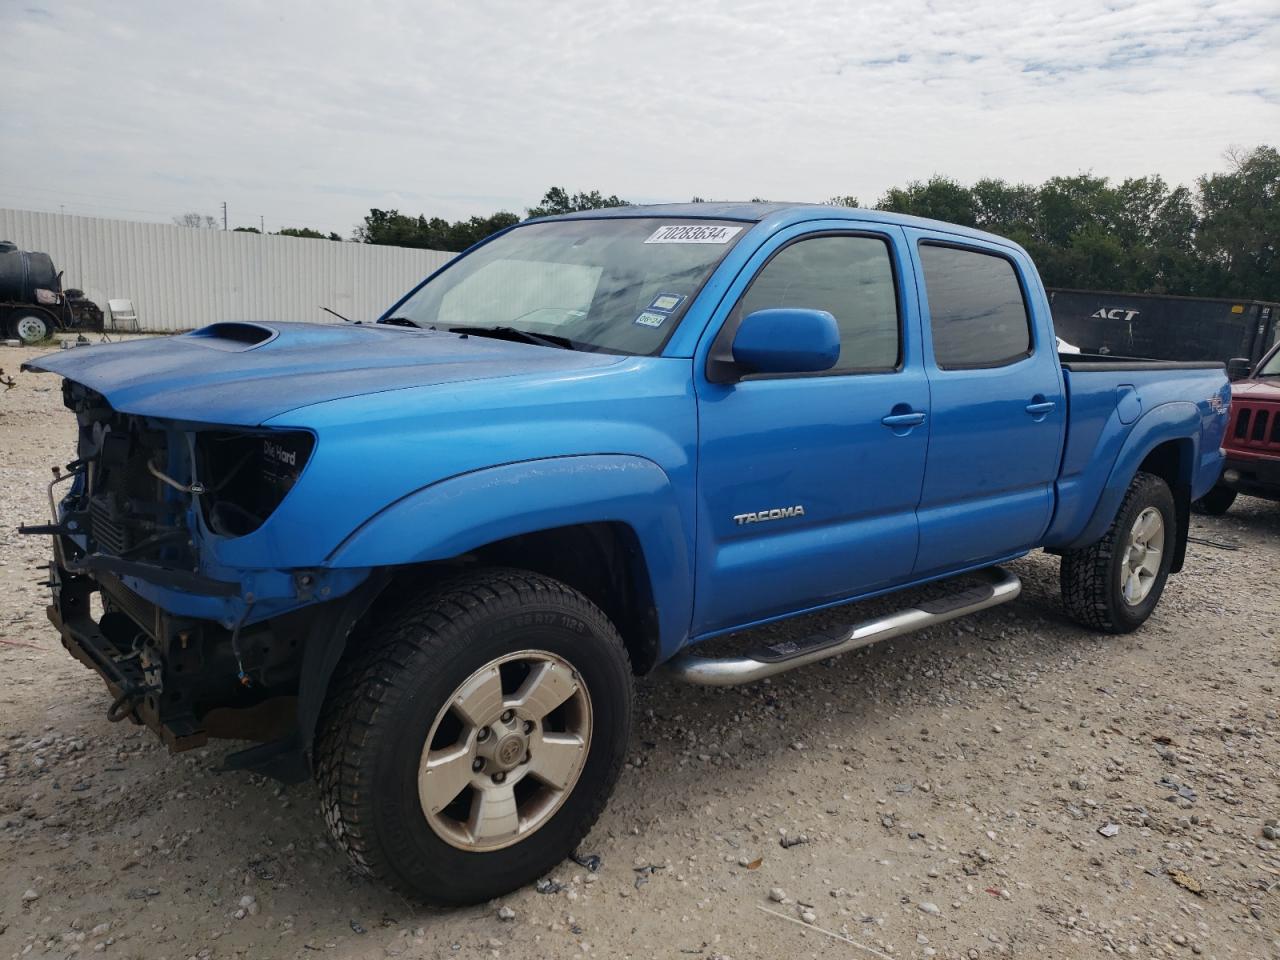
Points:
[976,308]
[849,277]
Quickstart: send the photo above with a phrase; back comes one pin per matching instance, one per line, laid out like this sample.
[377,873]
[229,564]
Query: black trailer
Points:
[1164,328]
[32,302]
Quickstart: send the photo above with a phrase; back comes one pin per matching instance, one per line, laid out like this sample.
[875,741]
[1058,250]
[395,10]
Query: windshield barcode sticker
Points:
[666,302]
[694,233]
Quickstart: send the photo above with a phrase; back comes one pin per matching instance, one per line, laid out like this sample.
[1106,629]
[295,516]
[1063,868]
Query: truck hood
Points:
[247,373]
[1253,390]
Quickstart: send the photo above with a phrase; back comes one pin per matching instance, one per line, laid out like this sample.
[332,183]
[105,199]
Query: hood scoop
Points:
[233,336]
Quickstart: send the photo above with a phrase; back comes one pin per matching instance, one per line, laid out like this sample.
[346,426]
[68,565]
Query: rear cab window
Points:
[978,315]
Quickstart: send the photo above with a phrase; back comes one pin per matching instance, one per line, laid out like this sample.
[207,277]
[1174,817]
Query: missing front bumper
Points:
[123,668]
[176,675]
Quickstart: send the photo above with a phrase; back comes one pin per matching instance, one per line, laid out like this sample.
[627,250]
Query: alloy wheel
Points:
[1140,562]
[505,751]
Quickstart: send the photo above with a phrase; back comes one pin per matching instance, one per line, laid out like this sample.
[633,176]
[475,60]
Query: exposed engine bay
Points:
[144,494]
[140,483]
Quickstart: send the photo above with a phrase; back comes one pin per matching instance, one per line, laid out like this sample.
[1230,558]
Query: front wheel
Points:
[473,737]
[1114,585]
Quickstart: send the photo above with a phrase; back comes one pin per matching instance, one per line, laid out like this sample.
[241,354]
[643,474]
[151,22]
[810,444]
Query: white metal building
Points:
[180,278]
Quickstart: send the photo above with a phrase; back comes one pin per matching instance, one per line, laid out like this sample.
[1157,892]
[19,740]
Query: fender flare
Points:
[459,514]
[1178,421]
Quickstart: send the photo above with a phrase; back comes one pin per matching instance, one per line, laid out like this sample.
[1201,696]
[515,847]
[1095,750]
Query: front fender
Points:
[1176,421]
[465,512]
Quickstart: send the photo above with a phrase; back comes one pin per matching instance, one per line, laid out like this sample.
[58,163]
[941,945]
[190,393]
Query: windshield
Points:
[615,284]
[1271,368]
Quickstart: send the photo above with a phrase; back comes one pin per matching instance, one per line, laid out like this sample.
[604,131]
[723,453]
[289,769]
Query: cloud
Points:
[309,113]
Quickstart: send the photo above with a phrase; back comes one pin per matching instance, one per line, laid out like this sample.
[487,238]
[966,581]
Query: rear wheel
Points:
[1217,501]
[471,742]
[31,327]
[1114,585]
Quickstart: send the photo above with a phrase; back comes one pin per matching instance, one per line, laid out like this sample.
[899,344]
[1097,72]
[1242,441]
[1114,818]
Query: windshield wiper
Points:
[401,322]
[513,333]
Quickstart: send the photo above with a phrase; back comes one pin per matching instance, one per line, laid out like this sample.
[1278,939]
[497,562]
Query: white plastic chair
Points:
[122,311]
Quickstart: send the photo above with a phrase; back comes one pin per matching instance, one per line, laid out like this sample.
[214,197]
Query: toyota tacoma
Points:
[422,559]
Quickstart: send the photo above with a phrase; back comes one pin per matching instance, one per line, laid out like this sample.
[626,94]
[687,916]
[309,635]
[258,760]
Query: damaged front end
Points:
[189,646]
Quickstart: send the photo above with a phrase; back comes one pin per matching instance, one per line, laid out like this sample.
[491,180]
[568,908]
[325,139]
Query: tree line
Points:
[305,233]
[1140,235]
[203,221]
[1217,238]
[434,233]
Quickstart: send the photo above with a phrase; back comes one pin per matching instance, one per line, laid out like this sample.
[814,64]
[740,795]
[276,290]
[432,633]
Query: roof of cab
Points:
[779,214]
[751,212]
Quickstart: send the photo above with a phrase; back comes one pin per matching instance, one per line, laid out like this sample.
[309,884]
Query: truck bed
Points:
[1120,410]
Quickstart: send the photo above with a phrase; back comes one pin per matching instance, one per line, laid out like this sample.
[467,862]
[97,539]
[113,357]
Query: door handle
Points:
[903,420]
[1040,408]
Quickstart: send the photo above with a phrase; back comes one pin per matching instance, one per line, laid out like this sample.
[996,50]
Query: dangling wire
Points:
[244,678]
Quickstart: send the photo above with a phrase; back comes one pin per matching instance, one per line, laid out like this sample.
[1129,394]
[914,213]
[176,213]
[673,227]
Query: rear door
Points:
[997,403]
[806,495]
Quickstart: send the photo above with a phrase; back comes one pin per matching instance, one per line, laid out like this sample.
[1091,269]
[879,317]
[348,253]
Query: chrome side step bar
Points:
[1001,587]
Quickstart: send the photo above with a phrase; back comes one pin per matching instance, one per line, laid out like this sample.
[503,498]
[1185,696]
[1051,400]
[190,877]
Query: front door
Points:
[806,492]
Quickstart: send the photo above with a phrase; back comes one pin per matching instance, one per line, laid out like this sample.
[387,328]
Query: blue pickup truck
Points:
[422,559]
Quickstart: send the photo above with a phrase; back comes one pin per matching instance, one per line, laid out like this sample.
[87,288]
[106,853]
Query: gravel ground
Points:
[1003,786]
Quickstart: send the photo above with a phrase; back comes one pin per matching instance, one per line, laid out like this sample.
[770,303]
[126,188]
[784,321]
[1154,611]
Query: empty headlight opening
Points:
[246,476]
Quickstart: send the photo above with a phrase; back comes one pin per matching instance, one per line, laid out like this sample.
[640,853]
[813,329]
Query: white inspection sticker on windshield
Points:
[694,233]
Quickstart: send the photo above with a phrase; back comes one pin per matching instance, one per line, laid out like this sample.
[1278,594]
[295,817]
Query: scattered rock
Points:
[1186,881]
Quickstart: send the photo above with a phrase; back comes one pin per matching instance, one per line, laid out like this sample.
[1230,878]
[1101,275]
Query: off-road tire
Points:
[1216,502]
[402,666]
[1090,576]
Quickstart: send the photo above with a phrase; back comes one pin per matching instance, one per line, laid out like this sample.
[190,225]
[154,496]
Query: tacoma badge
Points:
[777,513]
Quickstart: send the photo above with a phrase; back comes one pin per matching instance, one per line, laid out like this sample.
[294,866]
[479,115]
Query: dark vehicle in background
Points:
[1164,328]
[32,302]
[1252,443]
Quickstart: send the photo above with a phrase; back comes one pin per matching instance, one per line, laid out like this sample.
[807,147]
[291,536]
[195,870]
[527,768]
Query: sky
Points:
[309,113]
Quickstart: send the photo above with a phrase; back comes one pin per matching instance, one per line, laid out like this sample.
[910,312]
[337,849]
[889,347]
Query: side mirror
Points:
[787,341]
[1238,368]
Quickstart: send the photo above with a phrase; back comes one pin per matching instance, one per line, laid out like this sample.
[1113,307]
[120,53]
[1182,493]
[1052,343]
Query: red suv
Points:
[1252,443]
